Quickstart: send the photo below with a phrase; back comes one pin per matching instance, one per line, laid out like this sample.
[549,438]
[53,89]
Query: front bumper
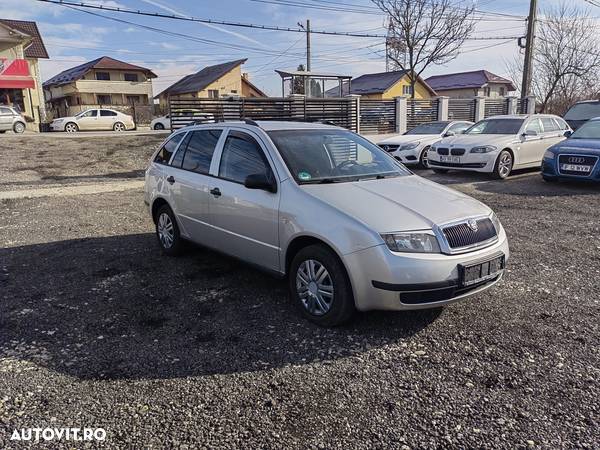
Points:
[408,157]
[550,170]
[474,162]
[382,279]
[57,126]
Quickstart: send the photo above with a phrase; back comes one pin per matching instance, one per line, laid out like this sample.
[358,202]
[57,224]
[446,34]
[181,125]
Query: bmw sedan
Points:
[577,157]
[499,144]
[348,225]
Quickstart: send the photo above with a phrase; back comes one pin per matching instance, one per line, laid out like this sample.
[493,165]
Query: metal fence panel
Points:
[421,111]
[377,116]
[495,107]
[461,109]
[339,111]
[522,106]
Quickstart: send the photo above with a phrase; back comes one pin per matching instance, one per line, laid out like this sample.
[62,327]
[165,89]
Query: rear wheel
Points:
[119,126]
[423,162]
[167,232]
[159,126]
[71,127]
[504,165]
[440,171]
[19,127]
[320,286]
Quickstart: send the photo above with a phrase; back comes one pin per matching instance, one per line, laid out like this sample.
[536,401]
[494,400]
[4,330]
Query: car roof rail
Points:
[327,122]
[251,122]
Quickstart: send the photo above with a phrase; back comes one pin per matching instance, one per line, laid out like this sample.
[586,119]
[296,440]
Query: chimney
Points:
[246,76]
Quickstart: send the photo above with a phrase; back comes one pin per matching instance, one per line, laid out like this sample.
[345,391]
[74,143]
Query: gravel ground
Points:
[97,329]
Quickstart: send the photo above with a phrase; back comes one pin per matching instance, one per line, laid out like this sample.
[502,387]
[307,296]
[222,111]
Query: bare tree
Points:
[566,60]
[425,32]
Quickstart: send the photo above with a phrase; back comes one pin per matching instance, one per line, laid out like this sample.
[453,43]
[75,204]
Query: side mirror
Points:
[260,181]
[449,134]
[530,133]
[568,133]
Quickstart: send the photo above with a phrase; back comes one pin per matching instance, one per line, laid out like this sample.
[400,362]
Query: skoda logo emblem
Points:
[472,223]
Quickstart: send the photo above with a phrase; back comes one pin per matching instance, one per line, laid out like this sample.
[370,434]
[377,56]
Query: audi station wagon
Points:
[348,225]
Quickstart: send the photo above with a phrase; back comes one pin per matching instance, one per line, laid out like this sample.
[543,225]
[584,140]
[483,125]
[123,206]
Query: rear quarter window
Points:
[164,154]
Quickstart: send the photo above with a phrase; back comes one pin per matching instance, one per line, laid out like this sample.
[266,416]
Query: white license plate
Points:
[575,167]
[450,159]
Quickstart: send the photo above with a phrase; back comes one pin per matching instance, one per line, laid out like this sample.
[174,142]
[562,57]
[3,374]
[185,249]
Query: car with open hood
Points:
[347,224]
[499,144]
[411,147]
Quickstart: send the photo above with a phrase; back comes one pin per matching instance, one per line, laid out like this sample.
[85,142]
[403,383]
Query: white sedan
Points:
[499,144]
[184,117]
[411,147]
[94,120]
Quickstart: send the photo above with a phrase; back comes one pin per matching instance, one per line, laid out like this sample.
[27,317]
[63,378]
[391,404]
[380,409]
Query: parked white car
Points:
[94,120]
[164,122]
[499,144]
[350,226]
[11,119]
[411,147]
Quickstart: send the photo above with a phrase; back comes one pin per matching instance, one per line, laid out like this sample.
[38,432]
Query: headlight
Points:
[409,146]
[548,155]
[483,149]
[412,242]
[496,222]
[57,120]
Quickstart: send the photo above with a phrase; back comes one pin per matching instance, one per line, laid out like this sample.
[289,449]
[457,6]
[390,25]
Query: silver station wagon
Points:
[350,227]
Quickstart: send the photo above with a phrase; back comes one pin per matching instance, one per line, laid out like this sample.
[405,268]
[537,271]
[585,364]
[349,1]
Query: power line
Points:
[77,6]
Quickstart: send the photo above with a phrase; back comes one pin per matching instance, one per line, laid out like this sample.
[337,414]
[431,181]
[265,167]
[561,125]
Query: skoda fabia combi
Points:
[350,226]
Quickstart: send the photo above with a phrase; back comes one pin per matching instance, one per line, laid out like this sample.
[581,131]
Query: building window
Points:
[487,91]
[104,76]
[213,93]
[131,77]
[502,92]
[234,91]
[407,90]
[133,99]
[103,99]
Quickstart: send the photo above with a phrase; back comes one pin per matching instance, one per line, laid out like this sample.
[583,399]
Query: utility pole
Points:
[528,64]
[306,79]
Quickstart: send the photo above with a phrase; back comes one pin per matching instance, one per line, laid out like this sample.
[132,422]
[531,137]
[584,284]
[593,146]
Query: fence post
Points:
[479,108]
[354,99]
[512,103]
[530,104]
[401,114]
[442,107]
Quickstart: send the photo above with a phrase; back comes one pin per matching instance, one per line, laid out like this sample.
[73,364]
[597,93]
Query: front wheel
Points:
[320,286]
[71,127]
[119,126]
[159,126]
[423,162]
[504,165]
[167,232]
[19,127]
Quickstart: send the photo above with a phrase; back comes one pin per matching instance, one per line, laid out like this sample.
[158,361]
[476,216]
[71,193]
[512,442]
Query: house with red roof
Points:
[102,82]
[21,46]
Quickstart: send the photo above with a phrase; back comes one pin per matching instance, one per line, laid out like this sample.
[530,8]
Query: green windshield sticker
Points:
[304,176]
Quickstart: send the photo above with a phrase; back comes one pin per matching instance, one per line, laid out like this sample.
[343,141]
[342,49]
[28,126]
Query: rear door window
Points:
[549,125]
[107,113]
[199,150]
[242,156]
[165,153]
[534,125]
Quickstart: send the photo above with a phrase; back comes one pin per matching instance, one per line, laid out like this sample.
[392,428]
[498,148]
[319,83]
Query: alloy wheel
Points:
[424,160]
[119,127]
[19,128]
[505,165]
[314,287]
[71,128]
[166,231]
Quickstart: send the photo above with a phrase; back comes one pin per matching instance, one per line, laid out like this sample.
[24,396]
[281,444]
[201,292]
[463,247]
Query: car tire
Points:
[119,126]
[2,131]
[423,163]
[440,171]
[504,165]
[167,232]
[159,126]
[71,127]
[19,127]
[320,287]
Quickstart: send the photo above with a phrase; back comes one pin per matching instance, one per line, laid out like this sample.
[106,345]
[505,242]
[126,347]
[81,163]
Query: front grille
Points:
[462,235]
[457,151]
[442,151]
[579,160]
[389,148]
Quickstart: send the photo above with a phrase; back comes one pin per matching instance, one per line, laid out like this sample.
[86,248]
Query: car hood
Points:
[398,204]
[406,138]
[469,140]
[578,145]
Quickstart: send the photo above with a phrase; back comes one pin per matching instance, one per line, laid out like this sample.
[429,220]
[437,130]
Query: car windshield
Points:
[330,155]
[583,111]
[429,128]
[496,126]
[589,130]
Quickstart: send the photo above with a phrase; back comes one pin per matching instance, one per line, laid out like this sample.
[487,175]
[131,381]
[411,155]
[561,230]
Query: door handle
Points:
[216,192]
[171,179]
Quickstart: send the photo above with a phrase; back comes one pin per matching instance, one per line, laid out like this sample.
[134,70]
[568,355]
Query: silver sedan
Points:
[348,225]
